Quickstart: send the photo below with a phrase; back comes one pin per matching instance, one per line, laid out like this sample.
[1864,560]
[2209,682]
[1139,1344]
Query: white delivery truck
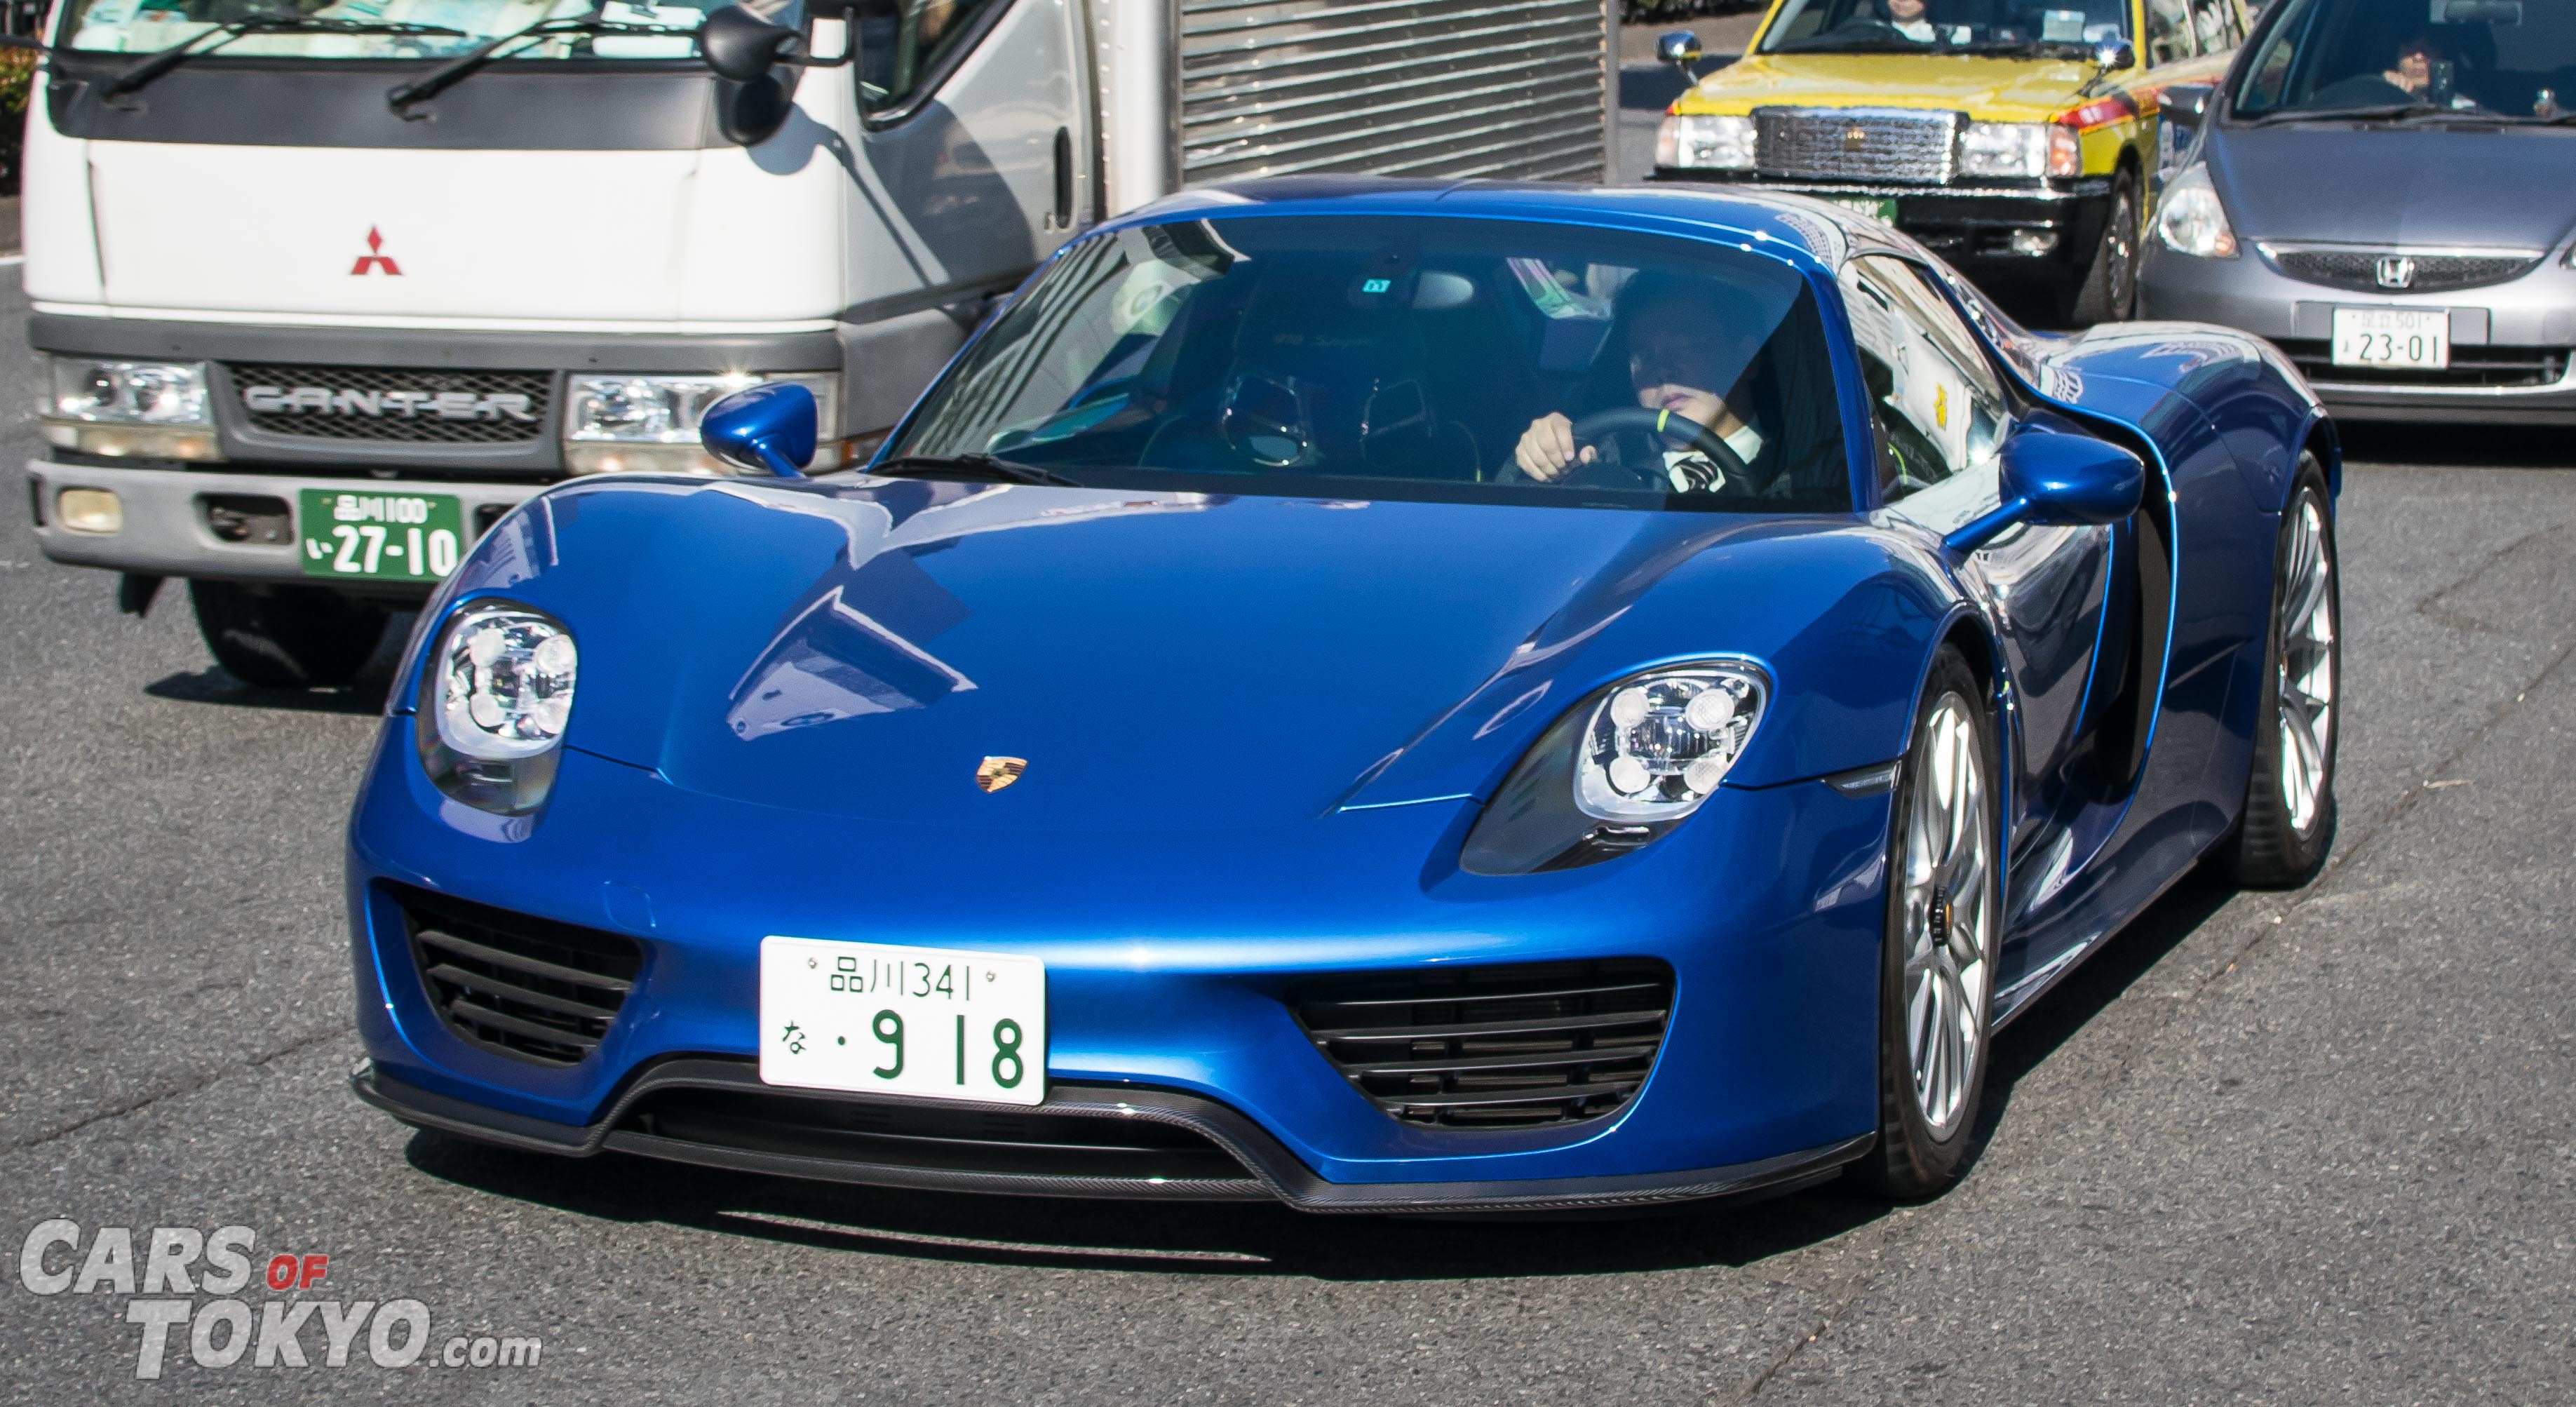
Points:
[322,292]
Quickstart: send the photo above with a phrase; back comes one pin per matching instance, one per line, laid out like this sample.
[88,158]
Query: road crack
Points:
[212,1078]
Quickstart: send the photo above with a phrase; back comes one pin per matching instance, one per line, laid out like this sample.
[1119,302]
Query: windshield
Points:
[2409,58]
[149,26]
[1422,358]
[2038,27]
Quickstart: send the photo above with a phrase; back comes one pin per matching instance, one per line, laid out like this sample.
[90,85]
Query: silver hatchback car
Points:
[2387,189]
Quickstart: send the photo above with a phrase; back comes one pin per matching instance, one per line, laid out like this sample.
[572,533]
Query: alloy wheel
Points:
[2306,668]
[1949,864]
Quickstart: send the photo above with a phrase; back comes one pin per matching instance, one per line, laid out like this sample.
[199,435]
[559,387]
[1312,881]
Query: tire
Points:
[2109,291]
[1944,925]
[286,637]
[2287,823]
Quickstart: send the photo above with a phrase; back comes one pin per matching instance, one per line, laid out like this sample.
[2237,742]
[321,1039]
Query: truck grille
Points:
[1494,1047]
[2470,366]
[528,988]
[2359,269]
[394,403]
[1890,145]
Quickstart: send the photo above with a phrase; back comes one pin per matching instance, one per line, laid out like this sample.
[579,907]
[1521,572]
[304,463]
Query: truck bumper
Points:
[2035,233]
[172,519]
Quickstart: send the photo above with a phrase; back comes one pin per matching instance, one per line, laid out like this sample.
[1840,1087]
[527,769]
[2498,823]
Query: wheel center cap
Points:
[1940,917]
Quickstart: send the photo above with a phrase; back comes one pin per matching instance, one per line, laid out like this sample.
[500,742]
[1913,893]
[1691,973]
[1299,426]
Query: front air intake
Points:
[1493,1047]
[528,988]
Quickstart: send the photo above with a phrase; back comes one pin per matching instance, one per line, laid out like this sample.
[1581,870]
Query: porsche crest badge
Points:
[995,773]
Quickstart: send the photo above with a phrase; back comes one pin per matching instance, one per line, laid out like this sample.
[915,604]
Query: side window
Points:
[1939,408]
[2169,32]
[902,42]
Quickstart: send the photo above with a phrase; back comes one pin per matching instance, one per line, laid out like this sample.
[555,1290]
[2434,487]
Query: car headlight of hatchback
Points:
[2192,220]
[496,693]
[2020,149]
[1620,769]
[1692,141]
[105,406]
[649,424]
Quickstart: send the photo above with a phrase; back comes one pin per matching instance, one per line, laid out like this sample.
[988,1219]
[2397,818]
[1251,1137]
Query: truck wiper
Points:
[274,22]
[447,75]
[982,466]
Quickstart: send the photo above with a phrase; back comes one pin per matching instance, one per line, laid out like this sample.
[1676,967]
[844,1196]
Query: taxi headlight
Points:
[2024,149]
[2192,220]
[1689,141]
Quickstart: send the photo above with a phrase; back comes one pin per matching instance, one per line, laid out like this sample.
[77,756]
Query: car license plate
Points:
[379,536]
[1878,208]
[894,1020]
[2413,339]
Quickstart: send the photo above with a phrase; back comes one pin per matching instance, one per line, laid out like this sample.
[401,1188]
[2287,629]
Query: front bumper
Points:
[2521,332]
[1973,227]
[1169,955]
[170,517]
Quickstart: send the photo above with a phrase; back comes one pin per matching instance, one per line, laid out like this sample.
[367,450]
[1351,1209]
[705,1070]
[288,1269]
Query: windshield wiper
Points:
[277,22]
[2378,112]
[986,466]
[447,75]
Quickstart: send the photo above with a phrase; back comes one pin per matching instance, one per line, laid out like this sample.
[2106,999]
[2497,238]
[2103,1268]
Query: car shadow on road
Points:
[2488,447]
[212,685]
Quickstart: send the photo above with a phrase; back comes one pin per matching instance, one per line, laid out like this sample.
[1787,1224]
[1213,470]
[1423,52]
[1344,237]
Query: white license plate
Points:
[2412,339]
[934,1022]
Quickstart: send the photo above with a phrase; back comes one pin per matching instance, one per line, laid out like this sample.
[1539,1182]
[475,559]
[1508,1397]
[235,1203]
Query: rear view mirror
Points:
[2185,103]
[2058,479]
[741,46]
[767,429]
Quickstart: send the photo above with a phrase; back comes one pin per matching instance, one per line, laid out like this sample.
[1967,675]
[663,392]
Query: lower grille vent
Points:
[528,988]
[1494,1047]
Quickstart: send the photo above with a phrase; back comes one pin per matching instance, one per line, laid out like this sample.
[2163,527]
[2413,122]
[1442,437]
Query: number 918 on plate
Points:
[876,1017]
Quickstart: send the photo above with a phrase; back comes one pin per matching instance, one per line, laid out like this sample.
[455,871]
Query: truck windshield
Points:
[150,26]
[1418,358]
[2408,60]
[2037,28]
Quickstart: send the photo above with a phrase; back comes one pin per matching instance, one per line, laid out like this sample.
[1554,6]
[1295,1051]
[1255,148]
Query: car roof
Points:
[1827,234]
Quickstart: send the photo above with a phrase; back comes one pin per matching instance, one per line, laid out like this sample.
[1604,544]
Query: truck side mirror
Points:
[741,46]
[2062,479]
[2186,103]
[767,429]
[1680,49]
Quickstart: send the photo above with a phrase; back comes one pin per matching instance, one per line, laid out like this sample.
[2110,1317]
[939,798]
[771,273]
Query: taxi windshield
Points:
[2036,28]
[398,29]
[1393,357]
[2412,60]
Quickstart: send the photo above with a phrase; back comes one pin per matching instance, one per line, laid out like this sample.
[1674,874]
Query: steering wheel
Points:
[1666,429]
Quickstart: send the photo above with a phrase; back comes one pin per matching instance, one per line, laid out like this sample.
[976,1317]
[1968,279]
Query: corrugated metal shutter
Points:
[1437,88]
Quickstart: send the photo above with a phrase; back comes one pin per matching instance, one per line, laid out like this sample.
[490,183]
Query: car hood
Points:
[2513,188]
[1984,87]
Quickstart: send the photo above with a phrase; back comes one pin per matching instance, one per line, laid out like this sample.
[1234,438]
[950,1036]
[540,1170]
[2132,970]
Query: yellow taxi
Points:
[2019,139]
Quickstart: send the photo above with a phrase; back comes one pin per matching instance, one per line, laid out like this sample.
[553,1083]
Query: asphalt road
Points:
[2279,1148]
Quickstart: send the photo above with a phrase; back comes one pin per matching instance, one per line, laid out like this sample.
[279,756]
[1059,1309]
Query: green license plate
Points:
[1879,208]
[379,536]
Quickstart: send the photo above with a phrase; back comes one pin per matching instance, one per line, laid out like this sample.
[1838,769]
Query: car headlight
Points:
[1619,769]
[154,410]
[1698,142]
[649,424]
[2192,221]
[495,696]
[2020,149]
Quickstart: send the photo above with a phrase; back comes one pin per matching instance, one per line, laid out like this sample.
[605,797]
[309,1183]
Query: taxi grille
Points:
[528,988]
[1494,1047]
[2358,269]
[2470,366]
[402,404]
[1857,144]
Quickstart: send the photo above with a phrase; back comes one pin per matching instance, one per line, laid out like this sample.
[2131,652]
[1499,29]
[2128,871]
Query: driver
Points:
[1911,18]
[2414,69]
[1686,337]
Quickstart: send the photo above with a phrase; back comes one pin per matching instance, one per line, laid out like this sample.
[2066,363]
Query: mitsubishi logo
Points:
[2396,271]
[375,260]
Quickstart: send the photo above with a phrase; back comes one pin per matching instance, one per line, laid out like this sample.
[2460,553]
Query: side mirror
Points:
[2058,479]
[1680,49]
[742,46]
[2186,103]
[2112,55]
[769,429]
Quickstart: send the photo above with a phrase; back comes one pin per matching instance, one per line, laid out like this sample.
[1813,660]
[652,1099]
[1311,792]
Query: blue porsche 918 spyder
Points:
[1384,697]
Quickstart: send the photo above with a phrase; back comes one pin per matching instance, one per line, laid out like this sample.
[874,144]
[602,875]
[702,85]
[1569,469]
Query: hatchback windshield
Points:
[2408,60]
[2036,27]
[1465,360]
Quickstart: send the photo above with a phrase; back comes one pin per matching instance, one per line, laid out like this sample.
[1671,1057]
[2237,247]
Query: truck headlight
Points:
[649,424]
[1619,769]
[2192,220]
[495,697]
[1703,143]
[128,409]
[2025,149]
